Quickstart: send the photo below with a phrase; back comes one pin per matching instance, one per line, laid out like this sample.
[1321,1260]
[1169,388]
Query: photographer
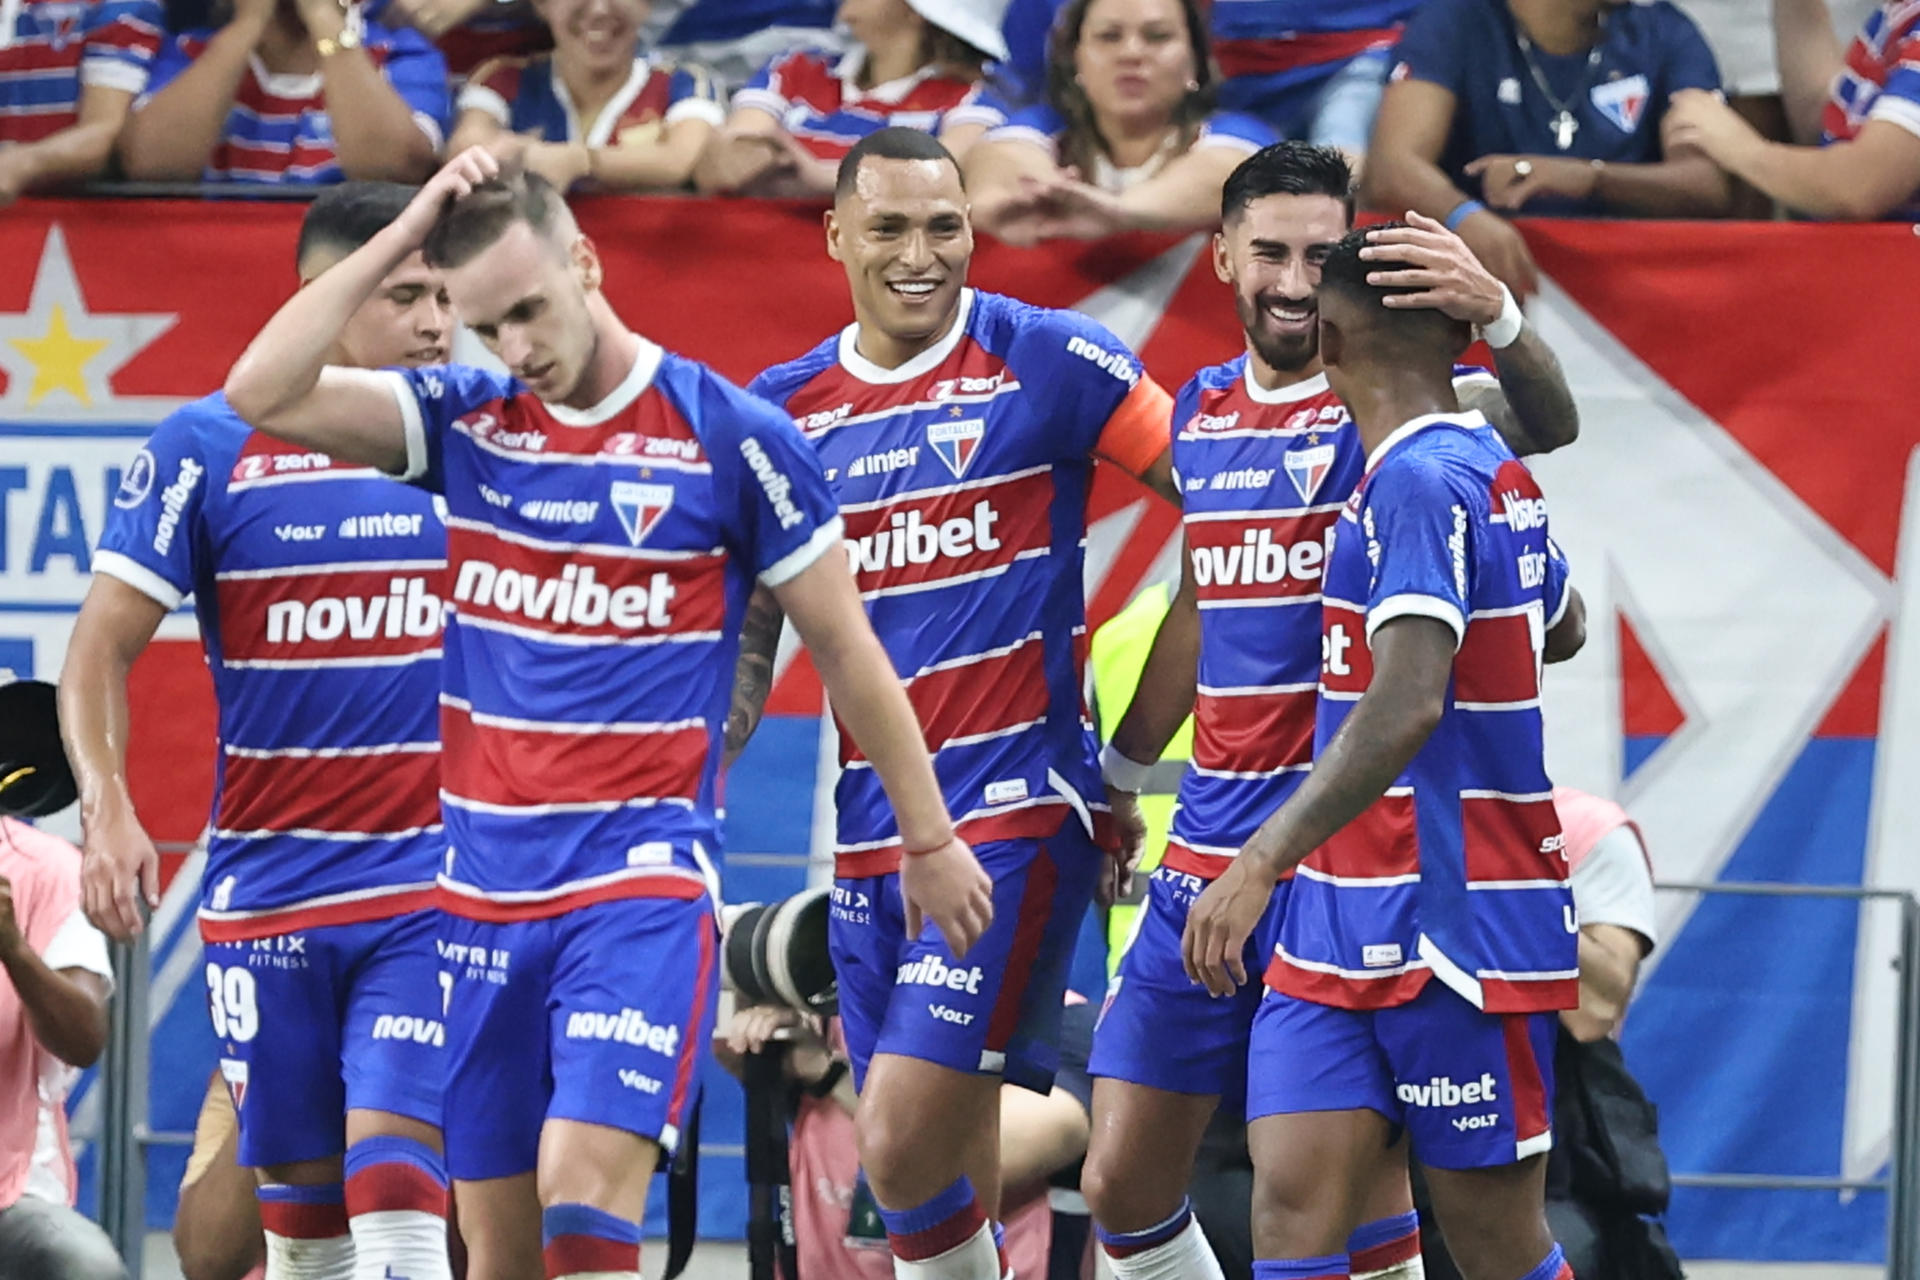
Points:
[836,1224]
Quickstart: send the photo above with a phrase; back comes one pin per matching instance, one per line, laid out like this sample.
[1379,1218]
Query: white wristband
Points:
[1121,772]
[1505,330]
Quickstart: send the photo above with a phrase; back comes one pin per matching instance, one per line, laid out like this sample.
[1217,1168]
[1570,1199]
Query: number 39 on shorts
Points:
[230,997]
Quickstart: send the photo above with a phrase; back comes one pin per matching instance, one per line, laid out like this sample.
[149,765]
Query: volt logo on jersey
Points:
[956,442]
[1622,101]
[640,506]
[1308,469]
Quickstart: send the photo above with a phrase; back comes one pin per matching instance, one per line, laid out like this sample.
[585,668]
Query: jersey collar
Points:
[1469,418]
[893,92]
[602,131]
[638,379]
[1293,393]
[867,371]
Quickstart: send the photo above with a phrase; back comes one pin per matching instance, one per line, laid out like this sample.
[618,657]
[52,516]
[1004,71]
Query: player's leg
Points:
[1321,1110]
[1386,1244]
[497,1084]
[1478,1089]
[393,1055]
[928,1122]
[277,1011]
[1164,1053]
[632,1005]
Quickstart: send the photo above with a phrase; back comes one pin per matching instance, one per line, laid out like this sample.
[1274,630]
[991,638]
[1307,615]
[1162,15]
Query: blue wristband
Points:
[1462,211]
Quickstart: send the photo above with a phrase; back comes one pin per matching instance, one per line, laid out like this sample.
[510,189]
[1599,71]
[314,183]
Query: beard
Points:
[1288,353]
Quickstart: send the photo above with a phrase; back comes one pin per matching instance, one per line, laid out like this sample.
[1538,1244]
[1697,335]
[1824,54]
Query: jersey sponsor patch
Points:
[640,506]
[1622,101]
[956,442]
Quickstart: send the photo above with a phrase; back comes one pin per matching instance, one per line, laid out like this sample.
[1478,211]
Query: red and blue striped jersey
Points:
[525,95]
[817,98]
[1880,81]
[279,130]
[963,478]
[599,562]
[318,587]
[1458,871]
[1282,43]
[50,48]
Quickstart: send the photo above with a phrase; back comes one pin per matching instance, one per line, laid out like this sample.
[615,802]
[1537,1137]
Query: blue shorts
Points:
[316,1022]
[1473,1090]
[599,1015]
[1161,1029]
[997,1012]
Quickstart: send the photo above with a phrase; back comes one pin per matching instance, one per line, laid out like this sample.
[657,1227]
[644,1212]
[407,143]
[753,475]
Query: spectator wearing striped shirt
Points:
[596,112]
[68,73]
[1128,138]
[916,64]
[290,91]
[1855,117]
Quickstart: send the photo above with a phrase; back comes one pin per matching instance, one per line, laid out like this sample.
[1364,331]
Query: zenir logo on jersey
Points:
[640,506]
[956,442]
[1308,468]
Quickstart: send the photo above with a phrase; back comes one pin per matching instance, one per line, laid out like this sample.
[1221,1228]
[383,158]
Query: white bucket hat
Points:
[975,21]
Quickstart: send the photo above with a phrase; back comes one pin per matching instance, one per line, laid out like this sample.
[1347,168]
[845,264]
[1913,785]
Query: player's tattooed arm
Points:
[753,673]
[1532,406]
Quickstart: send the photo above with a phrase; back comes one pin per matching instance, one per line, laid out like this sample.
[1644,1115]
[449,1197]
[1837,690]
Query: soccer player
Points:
[1429,935]
[318,589]
[610,506]
[1267,455]
[959,430]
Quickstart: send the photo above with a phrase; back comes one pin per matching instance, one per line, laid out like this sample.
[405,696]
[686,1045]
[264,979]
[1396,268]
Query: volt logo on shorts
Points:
[404,1026]
[947,1013]
[1441,1091]
[932,971]
[629,1026]
[634,1080]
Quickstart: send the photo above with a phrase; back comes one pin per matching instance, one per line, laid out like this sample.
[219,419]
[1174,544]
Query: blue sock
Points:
[1331,1267]
[1551,1267]
[945,1222]
[1124,1244]
[1384,1242]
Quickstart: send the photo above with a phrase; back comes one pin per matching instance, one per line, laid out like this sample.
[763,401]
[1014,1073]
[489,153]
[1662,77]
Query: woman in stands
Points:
[917,63]
[596,113]
[1127,139]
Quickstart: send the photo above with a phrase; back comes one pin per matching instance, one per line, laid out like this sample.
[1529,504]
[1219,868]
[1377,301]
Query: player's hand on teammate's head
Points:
[456,178]
[119,868]
[947,885]
[1219,925]
[1424,255]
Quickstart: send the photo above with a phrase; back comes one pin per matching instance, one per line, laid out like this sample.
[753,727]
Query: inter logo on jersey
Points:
[1622,101]
[1308,468]
[640,506]
[956,442]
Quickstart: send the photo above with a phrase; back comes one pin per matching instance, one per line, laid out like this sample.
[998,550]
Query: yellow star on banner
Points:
[59,359]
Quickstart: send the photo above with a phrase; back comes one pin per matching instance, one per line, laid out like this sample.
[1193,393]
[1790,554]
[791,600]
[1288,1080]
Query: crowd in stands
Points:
[1074,118]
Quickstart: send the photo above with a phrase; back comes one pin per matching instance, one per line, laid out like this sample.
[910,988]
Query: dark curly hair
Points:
[1083,142]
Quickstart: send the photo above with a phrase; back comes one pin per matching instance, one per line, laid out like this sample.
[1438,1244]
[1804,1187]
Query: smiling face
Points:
[525,298]
[1270,251]
[407,321]
[902,234]
[1135,58]
[598,36]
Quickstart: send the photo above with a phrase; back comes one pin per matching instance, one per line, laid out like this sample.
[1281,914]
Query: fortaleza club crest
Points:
[640,506]
[1622,101]
[1308,468]
[956,442]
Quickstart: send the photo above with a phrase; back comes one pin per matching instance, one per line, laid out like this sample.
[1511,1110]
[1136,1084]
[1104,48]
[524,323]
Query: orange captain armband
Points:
[1140,429]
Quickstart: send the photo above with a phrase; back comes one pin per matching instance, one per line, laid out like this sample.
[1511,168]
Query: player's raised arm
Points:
[283,385]
[939,875]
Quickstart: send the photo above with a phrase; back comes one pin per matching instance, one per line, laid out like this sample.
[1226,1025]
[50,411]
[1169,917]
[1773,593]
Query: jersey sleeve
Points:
[492,88]
[981,106]
[1690,61]
[1418,524]
[418,73]
[767,90]
[1612,885]
[78,945]
[122,38]
[693,94]
[1098,397]
[1186,403]
[766,473]
[174,56]
[1236,132]
[431,401]
[1436,46]
[1899,99]
[153,522]
[1040,125]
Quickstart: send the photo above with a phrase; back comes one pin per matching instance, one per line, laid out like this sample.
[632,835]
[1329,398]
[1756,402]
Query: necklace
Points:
[1564,124]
